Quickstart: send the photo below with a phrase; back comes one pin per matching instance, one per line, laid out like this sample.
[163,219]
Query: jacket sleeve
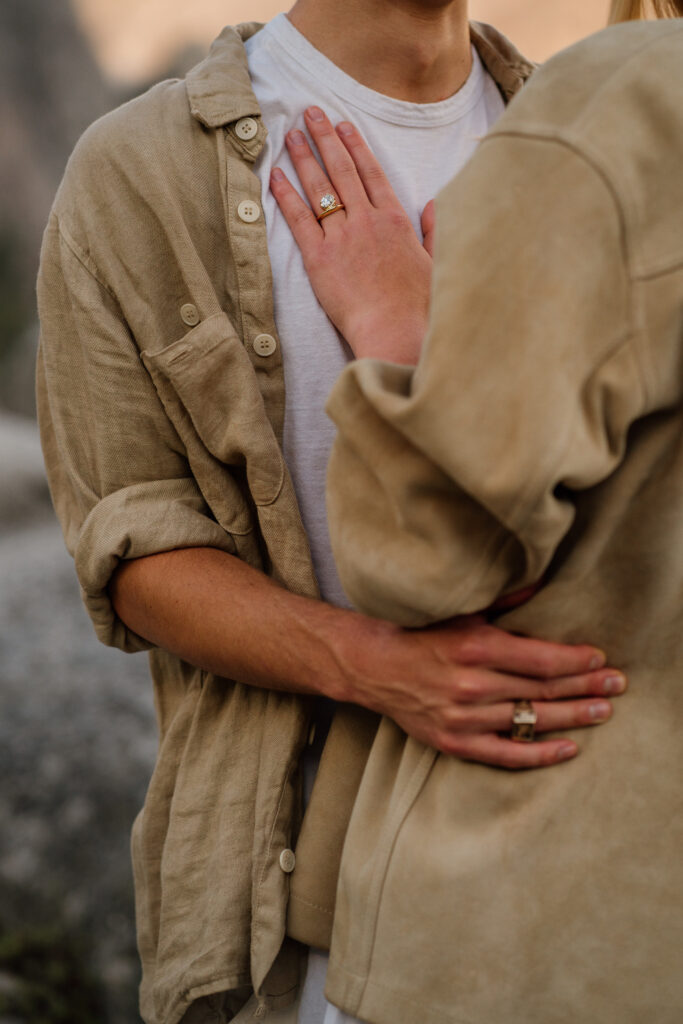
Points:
[119,478]
[453,483]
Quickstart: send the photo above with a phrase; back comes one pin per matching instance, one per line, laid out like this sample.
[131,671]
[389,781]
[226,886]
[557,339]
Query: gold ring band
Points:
[524,720]
[331,209]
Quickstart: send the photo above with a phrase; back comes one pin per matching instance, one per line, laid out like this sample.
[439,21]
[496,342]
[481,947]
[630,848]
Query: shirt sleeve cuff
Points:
[139,520]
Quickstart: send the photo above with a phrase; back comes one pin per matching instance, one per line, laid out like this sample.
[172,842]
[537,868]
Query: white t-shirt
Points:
[420,146]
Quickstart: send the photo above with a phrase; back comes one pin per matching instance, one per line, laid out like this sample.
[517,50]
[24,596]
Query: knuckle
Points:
[374,172]
[539,756]
[344,168]
[455,719]
[552,689]
[553,661]
[474,643]
[469,688]
[449,744]
[300,216]
[472,648]
[321,184]
[545,663]
[397,221]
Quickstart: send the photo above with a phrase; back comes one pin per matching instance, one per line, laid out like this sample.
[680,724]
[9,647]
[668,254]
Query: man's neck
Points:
[415,50]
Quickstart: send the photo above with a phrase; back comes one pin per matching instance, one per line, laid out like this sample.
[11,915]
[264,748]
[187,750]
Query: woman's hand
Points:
[368,268]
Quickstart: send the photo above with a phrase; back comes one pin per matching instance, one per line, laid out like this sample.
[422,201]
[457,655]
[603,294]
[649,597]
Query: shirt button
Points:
[264,345]
[246,128]
[287,861]
[248,211]
[189,314]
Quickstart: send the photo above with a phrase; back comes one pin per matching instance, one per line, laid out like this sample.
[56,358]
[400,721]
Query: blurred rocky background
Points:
[77,732]
[77,741]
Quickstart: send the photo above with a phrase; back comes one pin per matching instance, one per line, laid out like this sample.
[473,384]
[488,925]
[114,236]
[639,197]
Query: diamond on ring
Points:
[327,201]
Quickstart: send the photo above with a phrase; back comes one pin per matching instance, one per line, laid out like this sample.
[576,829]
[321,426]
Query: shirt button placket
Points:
[264,345]
[246,128]
[249,211]
[287,861]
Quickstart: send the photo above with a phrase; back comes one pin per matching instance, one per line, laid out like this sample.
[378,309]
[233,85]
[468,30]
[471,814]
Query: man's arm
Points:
[450,687]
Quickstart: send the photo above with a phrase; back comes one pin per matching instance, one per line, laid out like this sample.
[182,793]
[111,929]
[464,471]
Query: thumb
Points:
[428,223]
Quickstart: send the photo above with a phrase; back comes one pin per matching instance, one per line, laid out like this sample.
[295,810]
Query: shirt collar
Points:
[506,65]
[219,89]
[220,92]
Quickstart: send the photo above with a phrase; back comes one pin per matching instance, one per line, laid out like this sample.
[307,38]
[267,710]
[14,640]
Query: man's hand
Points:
[369,270]
[450,686]
[453,687]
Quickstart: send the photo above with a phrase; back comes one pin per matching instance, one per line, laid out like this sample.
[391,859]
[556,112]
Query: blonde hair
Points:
[632,10]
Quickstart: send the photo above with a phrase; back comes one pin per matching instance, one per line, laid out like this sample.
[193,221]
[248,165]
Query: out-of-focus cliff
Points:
[50,89]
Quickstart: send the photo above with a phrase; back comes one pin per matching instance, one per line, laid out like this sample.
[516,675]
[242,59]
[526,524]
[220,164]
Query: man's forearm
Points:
[218,613]
[450,686]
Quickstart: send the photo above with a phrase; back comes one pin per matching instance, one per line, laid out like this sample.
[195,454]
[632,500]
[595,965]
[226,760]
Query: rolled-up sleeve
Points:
[119,477]
[454,483]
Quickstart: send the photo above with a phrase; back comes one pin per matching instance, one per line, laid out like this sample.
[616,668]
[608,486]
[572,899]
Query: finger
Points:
[314,180]
[487,645]
[375,181]
[552,716]
[428,222]
[482,686]
[301,221]
[504,753]
[340,167]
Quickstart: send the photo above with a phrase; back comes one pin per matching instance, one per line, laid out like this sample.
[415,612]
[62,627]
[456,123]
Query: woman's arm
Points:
[450,484]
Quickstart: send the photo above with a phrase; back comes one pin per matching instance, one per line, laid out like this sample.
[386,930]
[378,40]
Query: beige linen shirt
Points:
[542,432]
[161,400]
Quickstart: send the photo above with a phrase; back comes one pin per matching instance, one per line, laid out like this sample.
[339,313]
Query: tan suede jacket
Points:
[542,432]
[161,400]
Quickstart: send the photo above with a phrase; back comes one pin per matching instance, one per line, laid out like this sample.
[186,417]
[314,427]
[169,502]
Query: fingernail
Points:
[276,174]
[598,660]
[614,684]
[565,751]
[297,138]
[344,128]
[599,711]
[315,113]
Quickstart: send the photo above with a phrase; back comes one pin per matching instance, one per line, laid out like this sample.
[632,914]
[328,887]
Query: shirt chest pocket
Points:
[210,392]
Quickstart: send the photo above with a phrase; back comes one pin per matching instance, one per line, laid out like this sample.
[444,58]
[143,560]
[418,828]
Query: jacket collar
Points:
[219,89]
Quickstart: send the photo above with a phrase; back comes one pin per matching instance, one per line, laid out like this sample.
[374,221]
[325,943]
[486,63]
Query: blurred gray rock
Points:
[24,493]
[77,740]
[50,90]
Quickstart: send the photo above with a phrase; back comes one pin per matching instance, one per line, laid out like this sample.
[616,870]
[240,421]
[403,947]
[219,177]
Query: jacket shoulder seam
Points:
[591,160]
